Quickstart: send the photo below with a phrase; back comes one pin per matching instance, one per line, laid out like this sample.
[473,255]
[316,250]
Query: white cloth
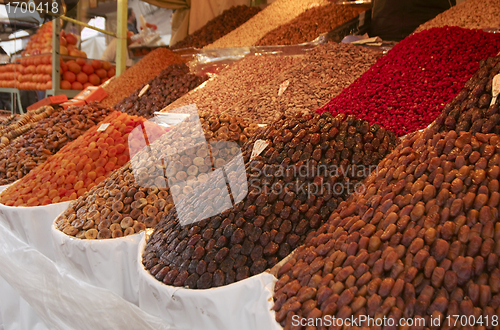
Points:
[105,263]
[32,224]
[61,300]
[110,53]
[94,47]
[244,305]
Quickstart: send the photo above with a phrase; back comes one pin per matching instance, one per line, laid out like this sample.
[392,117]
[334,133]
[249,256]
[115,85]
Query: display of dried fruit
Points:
[138,195]
[307,85]
[421,242]
[236,82]
[309,166]
[279,12]
[310,24]
[218,27]
[471,110]
[409,87]
[21,124]
[470,14]
[168,86]
[78,166]
[46,138]
[138,75]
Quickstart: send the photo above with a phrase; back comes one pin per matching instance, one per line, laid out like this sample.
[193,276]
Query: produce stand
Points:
[200,217]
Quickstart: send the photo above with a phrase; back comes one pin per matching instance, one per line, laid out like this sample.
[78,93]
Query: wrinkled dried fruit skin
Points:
[46,138]
[76,168]
[263,228]
[129,201]
[439,261]
[165,88]
[475,115]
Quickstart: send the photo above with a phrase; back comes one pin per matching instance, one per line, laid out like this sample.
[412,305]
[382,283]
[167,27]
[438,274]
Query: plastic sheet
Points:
[15,312]
[32,224]
[242,305]
[105,263]
[61,300]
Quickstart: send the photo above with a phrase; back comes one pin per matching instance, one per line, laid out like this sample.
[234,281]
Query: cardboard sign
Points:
[258,147]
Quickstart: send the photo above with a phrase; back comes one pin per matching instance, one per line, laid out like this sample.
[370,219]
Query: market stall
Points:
[293,182]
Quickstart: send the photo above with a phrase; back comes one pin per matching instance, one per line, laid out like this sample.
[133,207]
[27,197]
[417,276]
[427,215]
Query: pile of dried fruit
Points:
[138,75]
[309,166]
[310,24]
[470,110]
[46,138]
[168,86]
[235,82]
[408,88]
[470,14]
[278,13]
[78,166]
[422,241]
[138,196]
[218,27]
[18,125]
[312,82]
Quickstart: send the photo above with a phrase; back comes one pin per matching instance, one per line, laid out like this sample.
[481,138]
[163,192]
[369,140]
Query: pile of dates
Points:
[138,195]
[46,138]
[168,86]
[471,110]
[420,243]
[238,225]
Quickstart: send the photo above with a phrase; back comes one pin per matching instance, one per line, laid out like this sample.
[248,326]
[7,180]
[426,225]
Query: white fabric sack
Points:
[32,224]
[105,263]
[15,312]
[61,300]
[239,306]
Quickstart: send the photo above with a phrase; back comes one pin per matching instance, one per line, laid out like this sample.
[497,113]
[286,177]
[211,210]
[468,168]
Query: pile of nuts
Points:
[310,24]
[18,125]
[409,87]
[168,86]
[235,82]
[470,110]
[138,195]
[218,27]
[323,73]
[309,166]
[46,138]
[138,75]
[277,13]
[78,166]
[470,14]
[421,242]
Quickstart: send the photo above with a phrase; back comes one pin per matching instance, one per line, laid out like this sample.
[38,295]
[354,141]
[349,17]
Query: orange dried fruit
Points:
[94,154]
